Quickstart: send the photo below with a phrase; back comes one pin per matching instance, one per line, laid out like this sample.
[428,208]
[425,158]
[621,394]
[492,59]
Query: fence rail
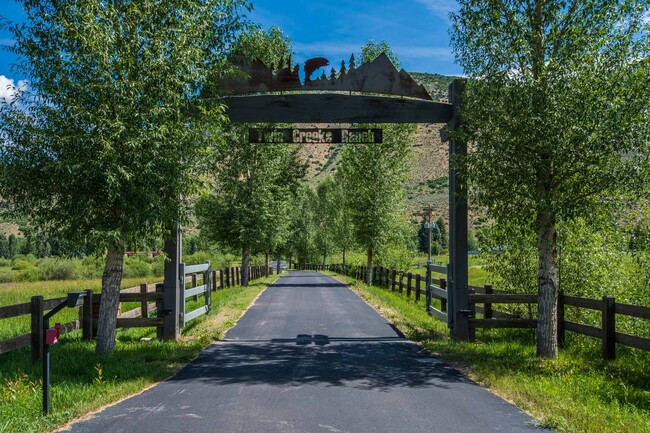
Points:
[149,296]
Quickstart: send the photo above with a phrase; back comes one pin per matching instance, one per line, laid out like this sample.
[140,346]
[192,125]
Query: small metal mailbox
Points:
[51,336]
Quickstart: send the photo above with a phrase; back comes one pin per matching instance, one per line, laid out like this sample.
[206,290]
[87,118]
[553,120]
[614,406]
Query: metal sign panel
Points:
[316,135]
[378,76]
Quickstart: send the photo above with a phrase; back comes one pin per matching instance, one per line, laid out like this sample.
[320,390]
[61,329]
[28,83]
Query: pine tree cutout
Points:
[343,71]
[352,65]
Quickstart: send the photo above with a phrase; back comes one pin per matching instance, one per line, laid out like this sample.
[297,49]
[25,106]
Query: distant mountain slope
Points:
[428,185]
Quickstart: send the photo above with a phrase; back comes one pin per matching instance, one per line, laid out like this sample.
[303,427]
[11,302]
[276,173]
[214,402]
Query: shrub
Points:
[92,267]
[60,269]
[136,268]
[7,275]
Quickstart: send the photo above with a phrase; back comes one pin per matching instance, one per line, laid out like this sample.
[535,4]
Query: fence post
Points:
[237,275]
[144,307]
[195,297]
[87,317]
[401,282]
[221,278]
[560,318]
[408,284]
[394,282]
[418,285]
[443,302]
[609,328]
[472,314]
[160,312]
[227,270]
[487,312]
[214,281]
[37,327]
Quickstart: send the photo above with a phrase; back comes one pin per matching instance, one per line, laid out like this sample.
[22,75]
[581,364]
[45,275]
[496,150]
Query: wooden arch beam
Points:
[334,108]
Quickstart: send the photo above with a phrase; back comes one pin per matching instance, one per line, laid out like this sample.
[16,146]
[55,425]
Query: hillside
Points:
[429,176]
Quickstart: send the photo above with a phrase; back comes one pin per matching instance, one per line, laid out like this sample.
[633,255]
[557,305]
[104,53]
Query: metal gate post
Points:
[171,298]
[459,295]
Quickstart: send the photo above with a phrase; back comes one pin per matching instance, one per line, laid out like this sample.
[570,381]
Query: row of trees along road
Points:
[101,148]
[254,184]
[557,110]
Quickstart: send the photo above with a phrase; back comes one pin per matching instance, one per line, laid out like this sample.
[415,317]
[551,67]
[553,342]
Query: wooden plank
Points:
[195,291]
[590,331]
[502,323]
[437,314]
[633,341]
[591,304]
[193,269]
[632,310]
[14,310]
[196,313]
[48,304]
[334,108]
[439,269]
[36,327]
[15,343]
[438,293]
[510,298]
[140,323]
[139,297]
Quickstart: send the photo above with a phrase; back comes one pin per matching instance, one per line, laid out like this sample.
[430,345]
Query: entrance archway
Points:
[351,96]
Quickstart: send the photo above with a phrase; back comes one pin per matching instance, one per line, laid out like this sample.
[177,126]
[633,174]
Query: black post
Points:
[87,317]
[560,318]
[609,328]
[173,250]
[37,327]
[458,222]
[46,369]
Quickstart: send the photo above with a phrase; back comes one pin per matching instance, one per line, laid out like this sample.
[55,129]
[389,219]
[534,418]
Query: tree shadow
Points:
[377,364]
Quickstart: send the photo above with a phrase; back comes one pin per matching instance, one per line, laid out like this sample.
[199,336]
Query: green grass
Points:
[477,275]
[83,382]
[576,393]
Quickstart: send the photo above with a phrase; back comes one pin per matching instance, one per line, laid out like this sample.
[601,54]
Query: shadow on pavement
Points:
[366,364]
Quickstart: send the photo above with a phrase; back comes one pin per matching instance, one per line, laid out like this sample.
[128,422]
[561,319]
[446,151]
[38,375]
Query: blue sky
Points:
[417,30]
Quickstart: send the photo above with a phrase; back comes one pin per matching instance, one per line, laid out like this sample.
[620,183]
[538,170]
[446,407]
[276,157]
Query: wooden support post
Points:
[221,286]
[195,297]
[214,281]
[609,328]
[487,311]
[173,250]
[418,286]
[560,318]
[160,309]
[394,282]
[238,275]
[472,314]
[458,222]
[443,302]
[408,284]
[36,310]
[144,307]
[87,317]
[227,277]
[401,282]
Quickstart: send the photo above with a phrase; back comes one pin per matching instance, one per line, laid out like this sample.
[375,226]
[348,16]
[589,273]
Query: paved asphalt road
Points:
[311,356]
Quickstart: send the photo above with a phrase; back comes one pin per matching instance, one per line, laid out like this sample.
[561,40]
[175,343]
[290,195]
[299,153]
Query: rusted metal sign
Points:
[379,76]
[316,135]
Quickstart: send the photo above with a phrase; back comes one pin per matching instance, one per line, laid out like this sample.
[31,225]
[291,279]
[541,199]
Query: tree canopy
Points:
[557,114]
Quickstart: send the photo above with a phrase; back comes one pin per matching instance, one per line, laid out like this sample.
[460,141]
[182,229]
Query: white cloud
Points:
[441,8]
[9,90]
[646,18]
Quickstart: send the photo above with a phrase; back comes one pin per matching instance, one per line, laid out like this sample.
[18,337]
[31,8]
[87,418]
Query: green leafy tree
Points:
[373,176]
[105,148]
[254,186]
[557,111]
[325,212]
[342,223]
[371,50]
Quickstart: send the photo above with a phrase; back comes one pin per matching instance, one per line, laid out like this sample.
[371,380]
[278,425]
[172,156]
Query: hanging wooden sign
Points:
[316,135]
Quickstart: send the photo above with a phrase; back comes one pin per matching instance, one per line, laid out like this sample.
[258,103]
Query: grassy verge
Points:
[578,392]
[83,382]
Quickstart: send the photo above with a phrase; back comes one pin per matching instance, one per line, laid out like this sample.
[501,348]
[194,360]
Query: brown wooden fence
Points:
[483,299]
[149,296]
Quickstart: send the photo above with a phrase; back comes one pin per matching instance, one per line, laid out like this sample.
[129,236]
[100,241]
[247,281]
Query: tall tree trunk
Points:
[547,291]
[245,265]
[277,264]
[369,268]
[344,267]
[110,301]
[266,263]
